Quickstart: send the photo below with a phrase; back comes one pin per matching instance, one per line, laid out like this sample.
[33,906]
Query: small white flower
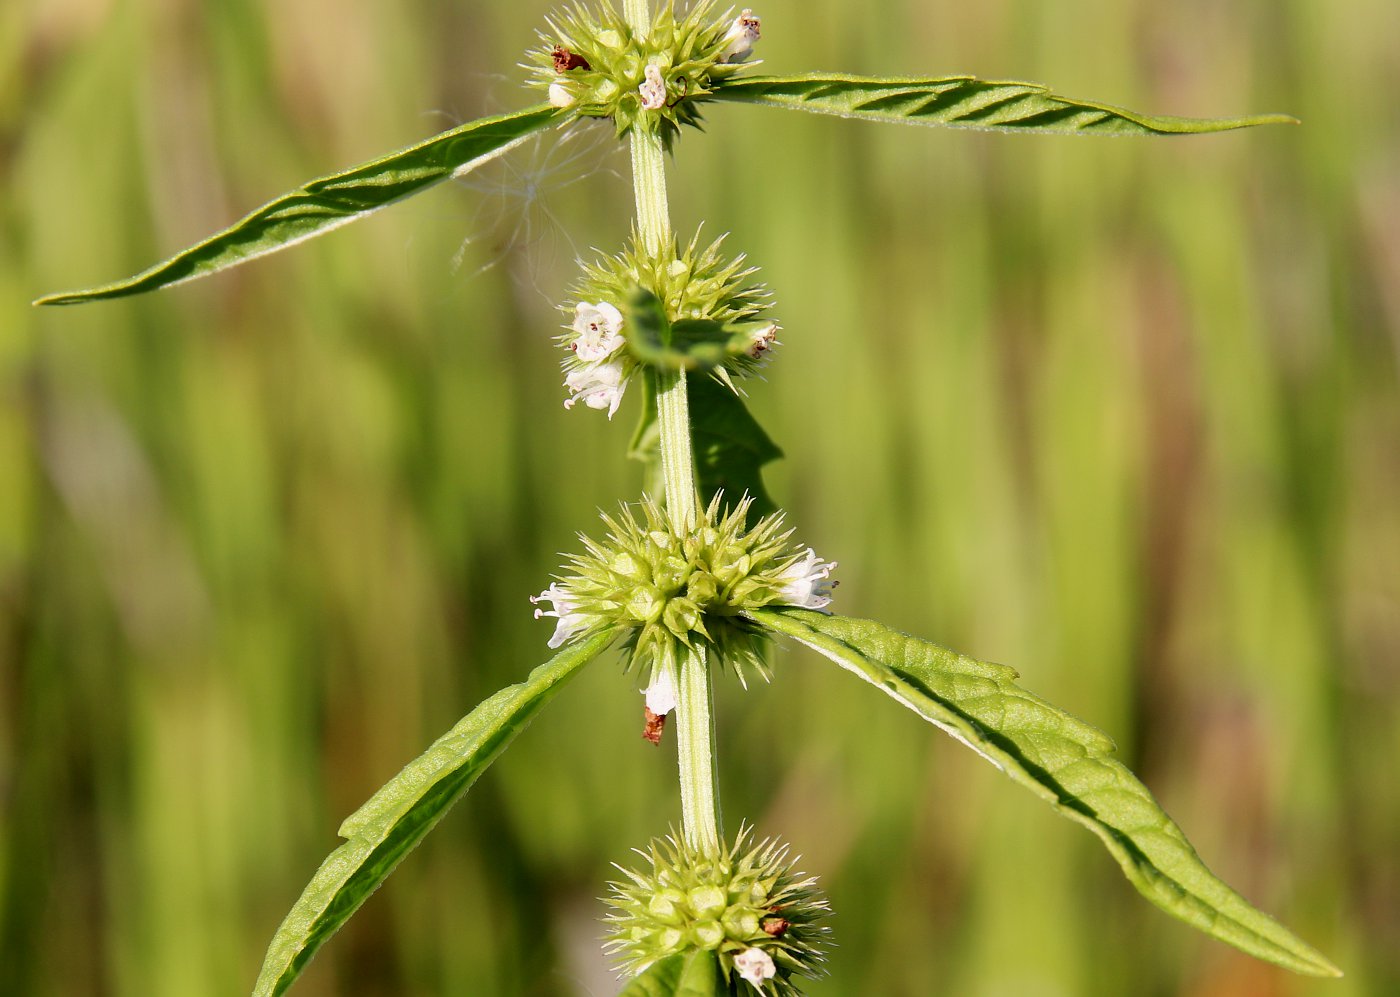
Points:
[559,95]
[755,965]
[598,385]
[598,330]
[565,609]
[807,582]
[653,89]
[762,340]
[739,40]
[661,690]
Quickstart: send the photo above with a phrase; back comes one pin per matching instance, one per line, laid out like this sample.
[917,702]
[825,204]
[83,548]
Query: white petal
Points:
[661,691]
[755,965]
[653,89]
[746,29]
[597,330]
[762,340]
[807,582]
[559,95]
[598,385]
[570,621]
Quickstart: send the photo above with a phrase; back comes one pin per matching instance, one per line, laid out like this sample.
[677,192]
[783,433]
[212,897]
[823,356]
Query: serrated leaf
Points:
[1064,761]
[404,810]
[730,446]
[965,102]
[331,201]
[695,973]
[689,344]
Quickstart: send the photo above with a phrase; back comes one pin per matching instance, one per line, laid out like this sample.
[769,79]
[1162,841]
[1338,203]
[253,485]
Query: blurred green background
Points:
[1121,413]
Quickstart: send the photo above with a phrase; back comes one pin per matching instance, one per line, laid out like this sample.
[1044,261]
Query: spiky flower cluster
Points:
[695,285]
[593,64]
[747,905]
[688,589]
[697,282]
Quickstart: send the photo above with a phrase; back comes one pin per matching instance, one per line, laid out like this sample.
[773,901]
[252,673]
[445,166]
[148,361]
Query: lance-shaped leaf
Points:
[1064,761]
[329,202]
[405,809]
[964,102]
[687,974]
[688,344]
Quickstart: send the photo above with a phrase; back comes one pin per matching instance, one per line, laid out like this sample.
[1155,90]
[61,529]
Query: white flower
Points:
[565,611]
[806,582]
[598,330]
[598,385]
[739,40]
[761,340]
[755,965]
[653,89]
[661,690]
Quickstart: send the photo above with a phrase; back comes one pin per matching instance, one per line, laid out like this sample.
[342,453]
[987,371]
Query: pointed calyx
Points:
[670,592]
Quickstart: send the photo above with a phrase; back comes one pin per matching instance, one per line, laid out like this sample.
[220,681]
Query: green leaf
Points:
[695,973]
[689,344]
[1064,761]
[964,102]
[329,202]
[405,809]
[730,446]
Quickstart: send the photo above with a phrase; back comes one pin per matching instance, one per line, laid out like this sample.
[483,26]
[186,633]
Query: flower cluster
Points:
[707,298]
[746,905]
[669,590]
[597,372]
[694,283]
[595,66]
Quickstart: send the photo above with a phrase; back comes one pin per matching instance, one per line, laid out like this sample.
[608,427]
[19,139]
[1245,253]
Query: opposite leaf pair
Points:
[648,76]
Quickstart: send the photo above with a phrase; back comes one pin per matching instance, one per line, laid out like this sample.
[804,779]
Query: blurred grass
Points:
[1123,414]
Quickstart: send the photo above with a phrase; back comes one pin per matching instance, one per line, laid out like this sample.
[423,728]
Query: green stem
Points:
[699,772]
[677,454]
[649,188]
[638,14]
[695,727]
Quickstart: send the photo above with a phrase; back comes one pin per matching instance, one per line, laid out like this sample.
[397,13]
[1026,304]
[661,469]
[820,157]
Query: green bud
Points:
[708,901]
[702,588]
[647,604]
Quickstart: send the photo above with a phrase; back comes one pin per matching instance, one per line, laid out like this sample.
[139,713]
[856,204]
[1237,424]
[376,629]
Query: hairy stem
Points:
[699,772]
[649,188]
[695,727]
[638,14]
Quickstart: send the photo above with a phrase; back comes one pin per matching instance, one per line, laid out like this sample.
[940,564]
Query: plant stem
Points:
[638,14]
[699,773]
[695,726]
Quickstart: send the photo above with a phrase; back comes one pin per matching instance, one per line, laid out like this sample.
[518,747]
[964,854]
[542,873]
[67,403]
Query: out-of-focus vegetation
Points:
[1122,413]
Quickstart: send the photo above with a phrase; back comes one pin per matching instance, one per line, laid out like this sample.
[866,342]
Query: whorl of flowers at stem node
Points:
[694,285]
[670,591]
[592,63]
[747,905]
